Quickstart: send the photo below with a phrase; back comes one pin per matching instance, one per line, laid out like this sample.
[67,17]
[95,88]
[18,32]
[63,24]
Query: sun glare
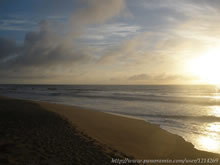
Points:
[207,66]
[209,144]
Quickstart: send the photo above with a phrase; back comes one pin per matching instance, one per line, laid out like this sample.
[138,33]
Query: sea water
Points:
[191,111]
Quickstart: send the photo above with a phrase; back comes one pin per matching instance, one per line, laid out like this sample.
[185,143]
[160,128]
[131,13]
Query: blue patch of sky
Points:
[19,17]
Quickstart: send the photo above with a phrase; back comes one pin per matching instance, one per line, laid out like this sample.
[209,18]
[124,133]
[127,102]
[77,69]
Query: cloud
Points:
[94,12]
[48,51]
[17,24]
[161,78]
[140,77]
[109,31]
[8,48]
[160,38]
[125,51]
[172,12]
[44,48]
[97,11]
[172,78]
[186,7]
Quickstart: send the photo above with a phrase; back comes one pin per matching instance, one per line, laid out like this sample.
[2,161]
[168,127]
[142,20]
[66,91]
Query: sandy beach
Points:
[34,134]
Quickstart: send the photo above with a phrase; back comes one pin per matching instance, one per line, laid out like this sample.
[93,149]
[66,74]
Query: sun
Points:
[206,66]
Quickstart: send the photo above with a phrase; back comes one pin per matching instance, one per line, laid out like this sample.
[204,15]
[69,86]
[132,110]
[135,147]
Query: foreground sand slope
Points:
[31,135]
[131,136]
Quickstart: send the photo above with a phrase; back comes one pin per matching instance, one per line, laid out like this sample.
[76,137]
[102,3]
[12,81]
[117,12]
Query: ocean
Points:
[191,111]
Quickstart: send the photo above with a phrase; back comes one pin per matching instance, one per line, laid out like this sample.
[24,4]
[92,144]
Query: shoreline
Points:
[131,136]
[111,113]
[127,130]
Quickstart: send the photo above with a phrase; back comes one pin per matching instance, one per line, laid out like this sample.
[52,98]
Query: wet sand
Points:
[35,132]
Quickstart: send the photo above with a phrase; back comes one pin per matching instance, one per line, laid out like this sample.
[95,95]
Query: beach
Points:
[95,82]
[37,132]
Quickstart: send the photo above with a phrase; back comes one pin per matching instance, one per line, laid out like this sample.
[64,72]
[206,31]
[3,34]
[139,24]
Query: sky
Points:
[109,41]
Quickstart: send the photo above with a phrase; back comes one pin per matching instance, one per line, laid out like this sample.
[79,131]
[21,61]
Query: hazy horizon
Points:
[199,84]
[103,42]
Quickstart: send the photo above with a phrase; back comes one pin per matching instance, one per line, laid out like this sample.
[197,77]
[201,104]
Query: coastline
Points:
[129,135]
[133,137]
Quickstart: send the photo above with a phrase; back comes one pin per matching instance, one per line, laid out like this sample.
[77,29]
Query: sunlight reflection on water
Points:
[215,111]
[214,127]
[216,97]
[210,140]
[208,143]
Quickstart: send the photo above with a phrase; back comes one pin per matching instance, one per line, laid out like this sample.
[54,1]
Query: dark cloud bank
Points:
[160,78]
